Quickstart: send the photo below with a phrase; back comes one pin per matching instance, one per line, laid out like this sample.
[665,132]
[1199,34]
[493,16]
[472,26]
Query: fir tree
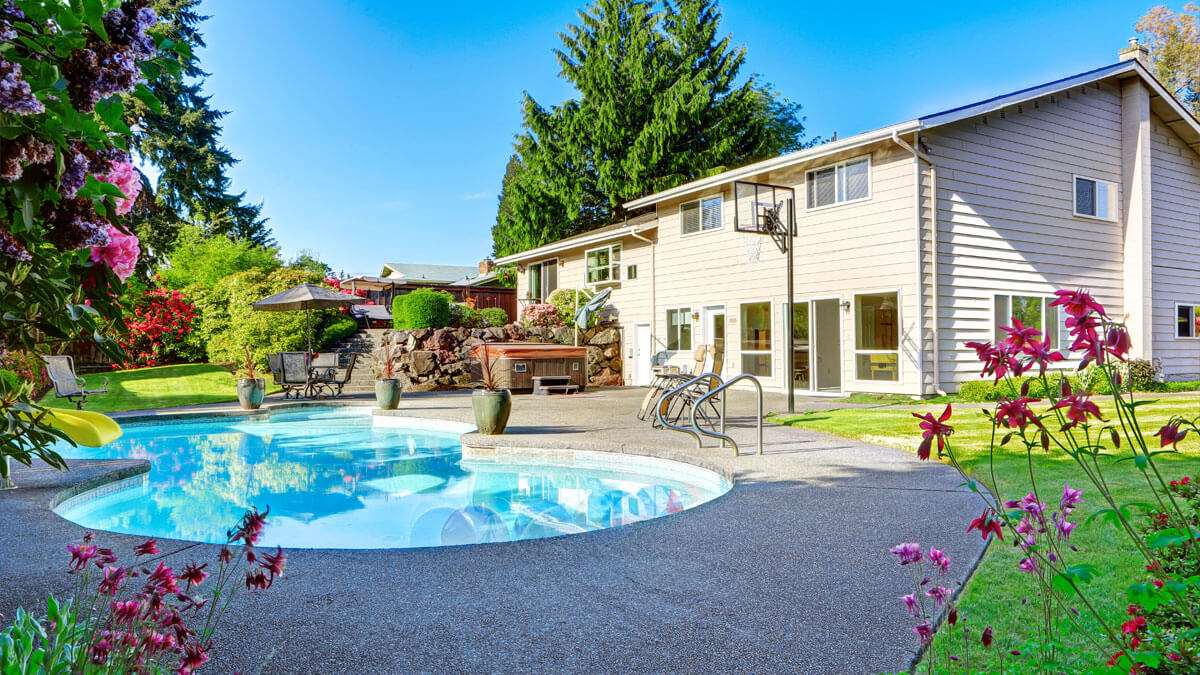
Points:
[183,143]
[659,103]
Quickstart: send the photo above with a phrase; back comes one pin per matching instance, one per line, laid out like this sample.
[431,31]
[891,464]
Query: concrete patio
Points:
[789,571]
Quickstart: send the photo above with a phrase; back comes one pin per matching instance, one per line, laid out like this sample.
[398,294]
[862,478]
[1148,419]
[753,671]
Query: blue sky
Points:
[376,131]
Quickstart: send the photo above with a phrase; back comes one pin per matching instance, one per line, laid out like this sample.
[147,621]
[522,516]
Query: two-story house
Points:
[916,238]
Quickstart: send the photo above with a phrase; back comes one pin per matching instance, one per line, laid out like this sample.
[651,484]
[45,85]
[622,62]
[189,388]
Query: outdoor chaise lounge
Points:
[68,385]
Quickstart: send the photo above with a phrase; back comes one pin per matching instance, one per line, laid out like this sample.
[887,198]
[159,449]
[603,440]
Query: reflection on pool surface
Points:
[333,479]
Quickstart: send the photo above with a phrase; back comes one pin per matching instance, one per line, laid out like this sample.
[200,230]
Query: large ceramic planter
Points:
[250,392]
[387,393]
[491,410]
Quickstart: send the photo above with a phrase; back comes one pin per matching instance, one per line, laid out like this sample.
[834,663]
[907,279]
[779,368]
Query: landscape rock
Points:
[611,351]
[494,334]
[606,337]
[564,335]
[422,362]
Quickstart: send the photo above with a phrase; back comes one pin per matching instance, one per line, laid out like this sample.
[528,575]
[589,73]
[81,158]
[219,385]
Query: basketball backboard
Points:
[756,205]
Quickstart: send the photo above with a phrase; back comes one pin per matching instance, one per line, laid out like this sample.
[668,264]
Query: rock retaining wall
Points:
[429,359]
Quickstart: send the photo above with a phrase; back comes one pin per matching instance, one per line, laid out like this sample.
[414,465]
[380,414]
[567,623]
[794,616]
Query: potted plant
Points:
[491,405]
[387,386]
[250,389]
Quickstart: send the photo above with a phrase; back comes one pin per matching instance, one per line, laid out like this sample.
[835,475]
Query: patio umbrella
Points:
[306,297]
[585,312]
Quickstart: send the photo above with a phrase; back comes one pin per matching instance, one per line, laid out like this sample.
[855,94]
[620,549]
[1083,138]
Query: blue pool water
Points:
[336,479]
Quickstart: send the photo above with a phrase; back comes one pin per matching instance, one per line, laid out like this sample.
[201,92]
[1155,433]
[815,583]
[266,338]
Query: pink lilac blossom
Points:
[120,254]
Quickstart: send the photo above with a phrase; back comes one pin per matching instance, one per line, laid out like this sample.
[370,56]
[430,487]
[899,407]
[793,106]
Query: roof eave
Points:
[576,242]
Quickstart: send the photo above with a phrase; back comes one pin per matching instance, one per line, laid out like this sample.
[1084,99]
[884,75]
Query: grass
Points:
[997,594]
[161,387]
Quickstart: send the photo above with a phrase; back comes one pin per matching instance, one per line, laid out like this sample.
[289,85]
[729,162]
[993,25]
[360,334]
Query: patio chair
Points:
[295,375]
[679,408]
[68,385]
[669,377]
[273,364]
[329,381]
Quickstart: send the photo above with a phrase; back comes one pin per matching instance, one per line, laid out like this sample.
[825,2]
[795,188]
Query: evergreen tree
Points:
[183,142]
[659,104]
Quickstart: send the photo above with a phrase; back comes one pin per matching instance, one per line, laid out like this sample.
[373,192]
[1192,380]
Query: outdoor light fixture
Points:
[846,305]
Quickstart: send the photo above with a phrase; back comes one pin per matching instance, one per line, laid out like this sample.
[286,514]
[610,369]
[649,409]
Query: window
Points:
[631,272]
[1188,321]
[604,264]
[846,182]
[1033,311]
[1095,198]
[877,337]
[543,279]
[756,338]
[701,215]
[679,329]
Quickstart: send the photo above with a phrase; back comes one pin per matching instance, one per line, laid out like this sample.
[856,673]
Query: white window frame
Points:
[720,196]
[870,188]
[1113,201]
[529,269]
[1064,339]
[1195,307]
[614,269]
[898,351]
[691,333]
[770,303]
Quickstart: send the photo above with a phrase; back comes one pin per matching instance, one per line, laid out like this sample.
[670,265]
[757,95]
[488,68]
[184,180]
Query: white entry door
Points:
[714,330]
[643,351]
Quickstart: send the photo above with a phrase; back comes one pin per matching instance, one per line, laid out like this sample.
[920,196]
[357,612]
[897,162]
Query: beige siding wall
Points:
[1005,213]
[1175,196]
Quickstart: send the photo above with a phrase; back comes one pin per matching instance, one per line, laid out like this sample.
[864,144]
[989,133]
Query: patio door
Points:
[714,328]
[643,352]
[817,346]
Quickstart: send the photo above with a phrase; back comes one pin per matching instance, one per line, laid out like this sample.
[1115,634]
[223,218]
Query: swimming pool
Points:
[343,478]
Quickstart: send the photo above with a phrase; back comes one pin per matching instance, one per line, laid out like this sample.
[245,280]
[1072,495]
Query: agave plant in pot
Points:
[387,386]
[491,404]
[250,389]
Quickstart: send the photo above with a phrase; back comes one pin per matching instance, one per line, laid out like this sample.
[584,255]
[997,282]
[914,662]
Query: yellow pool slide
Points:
[86,428]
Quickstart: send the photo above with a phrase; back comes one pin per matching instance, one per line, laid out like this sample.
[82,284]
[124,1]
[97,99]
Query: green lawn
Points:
[995,594]
[161,387]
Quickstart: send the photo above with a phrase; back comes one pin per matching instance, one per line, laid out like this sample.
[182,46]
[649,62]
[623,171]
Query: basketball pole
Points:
[790,354]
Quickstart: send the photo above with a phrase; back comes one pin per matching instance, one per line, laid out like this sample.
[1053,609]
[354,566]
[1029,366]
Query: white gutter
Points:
[933,237]
[750,170]
[568,244]
[653,284]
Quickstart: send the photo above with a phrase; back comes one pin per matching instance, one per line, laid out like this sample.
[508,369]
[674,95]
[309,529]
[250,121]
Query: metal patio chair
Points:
[68,385]
[274,365]
[330,382]
[295,374]
[668,377]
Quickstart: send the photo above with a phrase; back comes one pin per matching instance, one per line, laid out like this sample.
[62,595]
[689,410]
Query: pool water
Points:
[337,479]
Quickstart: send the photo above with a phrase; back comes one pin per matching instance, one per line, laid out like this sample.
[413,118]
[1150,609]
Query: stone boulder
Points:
[515,332]
[611,351]
[606,378]
[494,334]
[607,336]
[422,363]
[564,335]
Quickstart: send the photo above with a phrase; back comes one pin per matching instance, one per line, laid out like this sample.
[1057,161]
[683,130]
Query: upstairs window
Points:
[604,264]
[1095,198]
[844,182]
[702,215]
[1187,321]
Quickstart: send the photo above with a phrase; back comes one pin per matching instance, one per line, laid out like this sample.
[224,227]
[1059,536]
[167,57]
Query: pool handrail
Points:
[664,402]
[722,435]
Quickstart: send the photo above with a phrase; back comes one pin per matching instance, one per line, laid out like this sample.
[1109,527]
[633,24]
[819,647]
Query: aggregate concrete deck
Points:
[789,571]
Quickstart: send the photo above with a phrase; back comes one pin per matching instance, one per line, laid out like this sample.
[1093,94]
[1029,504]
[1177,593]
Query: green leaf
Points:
[111,111]
[93,16]
[1166,538]
[144,95]
[67,18]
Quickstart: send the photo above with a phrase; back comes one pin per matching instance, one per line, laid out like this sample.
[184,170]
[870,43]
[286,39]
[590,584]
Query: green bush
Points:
[977,390]
[423,308]
[987,390]
[568,300]
[494,316]
[462,316]
[1143,375]
[337,327]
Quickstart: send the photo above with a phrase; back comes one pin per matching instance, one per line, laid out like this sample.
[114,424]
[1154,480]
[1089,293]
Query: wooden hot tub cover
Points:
[529,350]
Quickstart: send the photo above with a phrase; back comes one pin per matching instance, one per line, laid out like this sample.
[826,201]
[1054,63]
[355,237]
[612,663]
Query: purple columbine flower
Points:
[939,593]
[939,559]
[1029,565]
[925,632]
[1064,528]
[1070,498]
[910,603]
[908,552]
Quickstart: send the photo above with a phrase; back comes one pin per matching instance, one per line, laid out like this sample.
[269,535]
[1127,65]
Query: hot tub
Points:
[515,364]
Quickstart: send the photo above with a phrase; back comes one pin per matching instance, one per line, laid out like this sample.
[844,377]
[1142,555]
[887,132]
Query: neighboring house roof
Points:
[426,274]
[635,225]
[477,280]
[1164,104]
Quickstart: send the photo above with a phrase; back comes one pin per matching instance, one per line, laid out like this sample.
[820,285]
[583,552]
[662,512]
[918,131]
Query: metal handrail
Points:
[664,402]
[722,435]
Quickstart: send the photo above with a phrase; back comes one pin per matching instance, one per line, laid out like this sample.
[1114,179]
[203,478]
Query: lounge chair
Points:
[329,381]
[669,377]
[273,364]
[68,385]
[295,374]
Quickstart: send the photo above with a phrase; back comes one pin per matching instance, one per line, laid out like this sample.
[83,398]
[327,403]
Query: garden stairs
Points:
[363,343]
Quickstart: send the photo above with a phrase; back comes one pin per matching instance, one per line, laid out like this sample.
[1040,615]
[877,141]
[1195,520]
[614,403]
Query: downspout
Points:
[933,238]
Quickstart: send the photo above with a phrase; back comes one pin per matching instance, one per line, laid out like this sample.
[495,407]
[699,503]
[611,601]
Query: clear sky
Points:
[377,130]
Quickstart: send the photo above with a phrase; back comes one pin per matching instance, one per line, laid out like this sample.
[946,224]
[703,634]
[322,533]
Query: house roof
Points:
[426,274]
[1164,104]
[635,225]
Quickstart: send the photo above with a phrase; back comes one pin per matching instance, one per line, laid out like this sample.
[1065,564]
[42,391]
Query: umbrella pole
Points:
[307,329]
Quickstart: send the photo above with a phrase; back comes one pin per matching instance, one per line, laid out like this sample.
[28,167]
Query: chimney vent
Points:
[486,265]
[1135,52]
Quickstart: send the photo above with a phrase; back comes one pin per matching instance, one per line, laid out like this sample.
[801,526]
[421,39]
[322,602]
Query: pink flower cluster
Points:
[541,315]
[128,181]
[120,254]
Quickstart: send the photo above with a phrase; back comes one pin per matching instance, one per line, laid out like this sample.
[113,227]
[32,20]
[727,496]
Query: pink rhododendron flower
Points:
[120,253]
[128,181]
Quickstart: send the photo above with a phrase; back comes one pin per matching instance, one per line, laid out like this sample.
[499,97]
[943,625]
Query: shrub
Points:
[160,327]
[462,316]
[337,327]
[1143,375]
[423,308]
[541,315]
[568,304]
[494,316]
[27,366]
[199,258]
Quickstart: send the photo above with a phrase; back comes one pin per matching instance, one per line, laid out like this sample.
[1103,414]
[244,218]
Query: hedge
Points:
[423,308]
[494,316]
